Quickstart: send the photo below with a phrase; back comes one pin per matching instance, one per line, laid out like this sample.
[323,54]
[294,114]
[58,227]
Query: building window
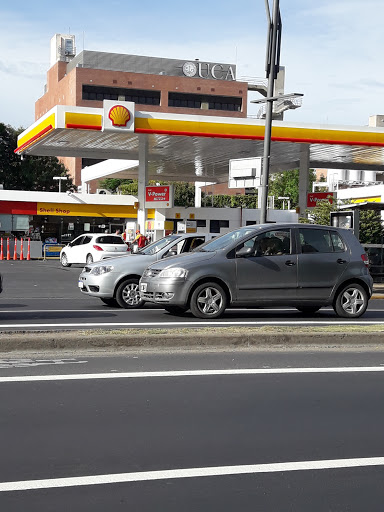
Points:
[215,225]
[99,93]
[200,223]
[186,100]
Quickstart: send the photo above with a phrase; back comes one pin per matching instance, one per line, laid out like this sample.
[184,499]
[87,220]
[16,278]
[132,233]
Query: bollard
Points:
[1,251]
[8,252]
[29,250]
[15,250]
[21,249]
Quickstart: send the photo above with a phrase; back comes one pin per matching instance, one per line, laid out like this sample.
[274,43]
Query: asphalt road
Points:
[105,434]
[42,295]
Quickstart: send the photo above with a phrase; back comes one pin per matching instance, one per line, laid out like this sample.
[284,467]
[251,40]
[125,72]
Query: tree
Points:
[31,173]
[113,184]
[371,227]
[286,184]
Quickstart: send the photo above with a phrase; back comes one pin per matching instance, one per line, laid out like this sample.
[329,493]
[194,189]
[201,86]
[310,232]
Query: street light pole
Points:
[272,68]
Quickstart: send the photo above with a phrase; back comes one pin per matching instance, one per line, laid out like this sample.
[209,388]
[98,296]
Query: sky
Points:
[331,49]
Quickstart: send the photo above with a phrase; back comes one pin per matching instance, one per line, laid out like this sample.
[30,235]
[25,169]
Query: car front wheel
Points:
[208,301]
[128,296]
[64,260]
[351,301]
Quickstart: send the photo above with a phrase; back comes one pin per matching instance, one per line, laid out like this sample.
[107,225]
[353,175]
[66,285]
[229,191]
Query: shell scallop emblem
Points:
[119,115]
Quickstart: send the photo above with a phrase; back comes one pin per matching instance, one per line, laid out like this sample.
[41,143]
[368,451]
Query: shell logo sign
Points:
[119,115]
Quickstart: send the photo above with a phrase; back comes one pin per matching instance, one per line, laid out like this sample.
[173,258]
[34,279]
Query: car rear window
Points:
[320,240]
[110,239]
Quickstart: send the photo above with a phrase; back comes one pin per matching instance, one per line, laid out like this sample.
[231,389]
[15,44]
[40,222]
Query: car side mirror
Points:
[244,252]
[170,253]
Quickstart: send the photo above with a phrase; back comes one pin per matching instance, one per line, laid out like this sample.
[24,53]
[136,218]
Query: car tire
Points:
[308,310]
[89,259]
[175,310]
[128,296]
[351,301]
[110,302]
[64,260]
[208,300]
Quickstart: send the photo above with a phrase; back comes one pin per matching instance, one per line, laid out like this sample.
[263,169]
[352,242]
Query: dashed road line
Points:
[118,478]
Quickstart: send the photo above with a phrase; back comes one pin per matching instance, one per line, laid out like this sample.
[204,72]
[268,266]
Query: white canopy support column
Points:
[142,181]
[303,179]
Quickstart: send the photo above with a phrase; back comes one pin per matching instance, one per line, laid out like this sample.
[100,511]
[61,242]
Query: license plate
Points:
[143,287]
[81,284]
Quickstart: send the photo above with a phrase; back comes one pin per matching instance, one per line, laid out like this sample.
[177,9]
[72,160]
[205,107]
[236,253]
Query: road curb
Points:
[72,340]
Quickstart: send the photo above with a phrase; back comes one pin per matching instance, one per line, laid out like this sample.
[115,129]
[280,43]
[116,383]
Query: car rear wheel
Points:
[64,260]
[175,310]
[110,302]
[127,294]
[89,259]
[208,301]
[308,310]
[351,301]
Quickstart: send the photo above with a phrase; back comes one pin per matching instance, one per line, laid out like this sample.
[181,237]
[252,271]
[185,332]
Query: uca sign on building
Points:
[206,70]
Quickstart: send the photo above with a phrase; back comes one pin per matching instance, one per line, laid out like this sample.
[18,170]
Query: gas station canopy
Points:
[196,148]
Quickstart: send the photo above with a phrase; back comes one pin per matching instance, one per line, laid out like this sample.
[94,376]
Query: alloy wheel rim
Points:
[352,301]
[64,259]
[131,294]
[210,301]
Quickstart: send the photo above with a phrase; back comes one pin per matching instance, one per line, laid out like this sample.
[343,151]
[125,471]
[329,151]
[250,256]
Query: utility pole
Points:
[272,64]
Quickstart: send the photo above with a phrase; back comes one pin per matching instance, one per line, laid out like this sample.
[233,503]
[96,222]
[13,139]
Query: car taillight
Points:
[364,257]
[98,248]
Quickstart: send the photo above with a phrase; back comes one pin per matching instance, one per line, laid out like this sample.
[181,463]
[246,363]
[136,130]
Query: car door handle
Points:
[341,261]
[290,263]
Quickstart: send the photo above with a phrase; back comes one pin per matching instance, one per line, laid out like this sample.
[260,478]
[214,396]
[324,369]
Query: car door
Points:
[85,248]
[74,250]
[263,273]
[323,258]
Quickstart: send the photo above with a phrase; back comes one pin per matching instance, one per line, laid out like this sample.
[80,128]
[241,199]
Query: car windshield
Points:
[221,242]
[155,247]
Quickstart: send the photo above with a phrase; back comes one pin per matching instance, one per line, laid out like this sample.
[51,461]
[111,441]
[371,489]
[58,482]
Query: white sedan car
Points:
[92,247]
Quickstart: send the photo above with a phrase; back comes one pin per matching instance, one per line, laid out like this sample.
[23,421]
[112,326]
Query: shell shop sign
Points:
[159,197]
[119,116]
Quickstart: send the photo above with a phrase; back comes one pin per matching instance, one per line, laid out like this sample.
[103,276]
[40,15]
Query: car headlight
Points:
[174,272]
[101,269]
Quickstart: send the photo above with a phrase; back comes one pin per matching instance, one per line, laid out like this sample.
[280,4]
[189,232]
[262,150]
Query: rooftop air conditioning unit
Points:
[103,191]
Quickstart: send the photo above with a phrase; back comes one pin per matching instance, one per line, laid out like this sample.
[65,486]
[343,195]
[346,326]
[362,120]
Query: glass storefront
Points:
[55,229]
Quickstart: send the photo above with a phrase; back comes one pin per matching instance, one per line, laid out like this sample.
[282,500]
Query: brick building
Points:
[153,84]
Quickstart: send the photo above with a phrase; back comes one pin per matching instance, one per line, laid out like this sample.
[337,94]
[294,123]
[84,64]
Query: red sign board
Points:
[154,194]
[314,197]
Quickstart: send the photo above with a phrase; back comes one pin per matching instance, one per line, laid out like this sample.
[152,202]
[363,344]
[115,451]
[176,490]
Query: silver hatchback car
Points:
[116,280]
[299,265]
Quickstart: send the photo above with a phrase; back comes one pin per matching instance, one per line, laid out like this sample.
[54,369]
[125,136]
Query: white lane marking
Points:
[192,373]
[206,323]
[310,465]
[234,323]
[106,310]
